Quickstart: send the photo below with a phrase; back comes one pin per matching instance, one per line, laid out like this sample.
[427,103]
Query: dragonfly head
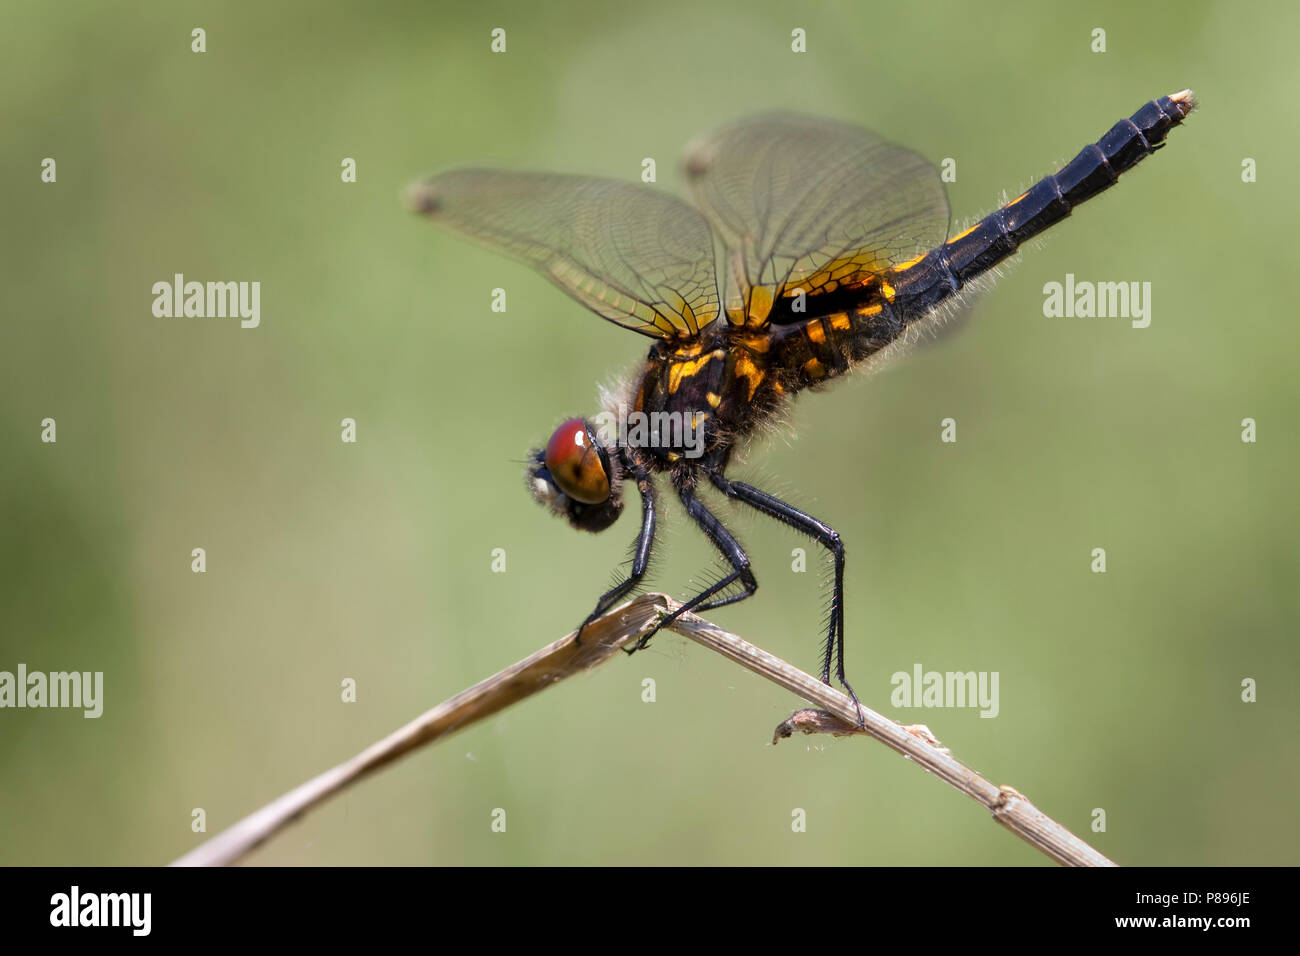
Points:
[574,476]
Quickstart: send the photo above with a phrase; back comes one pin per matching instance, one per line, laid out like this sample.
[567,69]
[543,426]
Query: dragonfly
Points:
[812,248]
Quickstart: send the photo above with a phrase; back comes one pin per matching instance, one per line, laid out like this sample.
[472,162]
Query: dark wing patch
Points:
[637,257]
[809,204]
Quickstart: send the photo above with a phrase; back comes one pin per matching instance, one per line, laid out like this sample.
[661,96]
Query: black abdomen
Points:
[926,281]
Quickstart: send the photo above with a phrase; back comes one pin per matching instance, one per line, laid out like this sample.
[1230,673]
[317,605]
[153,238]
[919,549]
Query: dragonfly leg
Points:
[730,548]
[640,549]
[824,535]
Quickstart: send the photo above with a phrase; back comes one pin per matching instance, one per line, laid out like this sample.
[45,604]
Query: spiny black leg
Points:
[731,550]
[723,601]
[640,548]
[824,535]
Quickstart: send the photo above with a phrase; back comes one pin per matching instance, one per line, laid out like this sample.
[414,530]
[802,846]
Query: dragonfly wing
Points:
[637,257]
[811,205]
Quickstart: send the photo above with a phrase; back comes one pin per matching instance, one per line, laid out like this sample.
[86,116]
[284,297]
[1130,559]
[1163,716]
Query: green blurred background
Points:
[372,561]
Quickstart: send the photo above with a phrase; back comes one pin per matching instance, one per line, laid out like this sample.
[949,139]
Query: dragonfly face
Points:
[575,477]
[834,246]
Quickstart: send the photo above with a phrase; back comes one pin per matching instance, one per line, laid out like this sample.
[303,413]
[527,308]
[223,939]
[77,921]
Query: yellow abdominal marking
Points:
[815,331]
[814,368]
[841,321]
[962,235]
[904,266]
[714,399]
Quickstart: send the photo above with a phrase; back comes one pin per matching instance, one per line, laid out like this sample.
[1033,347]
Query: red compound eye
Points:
[575,463]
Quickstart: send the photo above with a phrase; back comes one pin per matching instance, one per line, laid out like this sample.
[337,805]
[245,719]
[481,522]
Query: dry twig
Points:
[619,628]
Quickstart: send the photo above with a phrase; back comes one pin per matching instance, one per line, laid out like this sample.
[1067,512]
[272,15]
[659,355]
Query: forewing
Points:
[809,204]
[637,257]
